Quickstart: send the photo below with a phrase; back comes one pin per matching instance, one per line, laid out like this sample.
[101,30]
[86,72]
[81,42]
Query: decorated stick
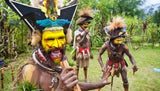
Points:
[65,64]
[107,73]
[2,78]
[12,72]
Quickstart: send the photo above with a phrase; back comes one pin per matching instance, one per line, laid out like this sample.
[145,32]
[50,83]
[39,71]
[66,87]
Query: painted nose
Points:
[58,44]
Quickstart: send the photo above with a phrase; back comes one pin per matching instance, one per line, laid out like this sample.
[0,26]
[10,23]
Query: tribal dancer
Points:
[82,42]
[116,49]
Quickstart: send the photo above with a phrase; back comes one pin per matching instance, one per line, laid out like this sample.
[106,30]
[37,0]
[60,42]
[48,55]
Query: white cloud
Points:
[151,2]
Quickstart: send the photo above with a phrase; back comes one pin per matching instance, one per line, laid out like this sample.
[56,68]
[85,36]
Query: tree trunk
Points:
[22,37]
[8,40]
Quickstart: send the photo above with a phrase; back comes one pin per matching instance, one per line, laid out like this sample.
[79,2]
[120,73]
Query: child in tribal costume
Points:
[116,49]
[47,67]
[82,42]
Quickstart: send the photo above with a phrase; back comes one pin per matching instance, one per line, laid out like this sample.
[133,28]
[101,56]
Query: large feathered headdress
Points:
[116,28]
[85,15]
[46,16]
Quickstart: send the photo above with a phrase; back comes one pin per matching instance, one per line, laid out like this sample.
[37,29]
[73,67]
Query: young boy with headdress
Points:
[82,42]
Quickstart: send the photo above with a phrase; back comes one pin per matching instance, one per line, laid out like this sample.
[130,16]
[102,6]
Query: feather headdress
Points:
[86,12]
[38,22]
[38,3]
[85,15]
[117,22]
[116,28]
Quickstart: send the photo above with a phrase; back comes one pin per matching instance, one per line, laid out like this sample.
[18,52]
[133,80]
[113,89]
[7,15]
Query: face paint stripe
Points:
[59,40]
[57,43]
[46,40]
[49,46]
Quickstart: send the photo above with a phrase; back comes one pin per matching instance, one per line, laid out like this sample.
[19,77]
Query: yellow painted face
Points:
[85,25]
[118,40]
[53,39]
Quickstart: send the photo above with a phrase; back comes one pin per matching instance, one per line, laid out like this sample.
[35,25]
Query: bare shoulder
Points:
[125,46]
[105,45]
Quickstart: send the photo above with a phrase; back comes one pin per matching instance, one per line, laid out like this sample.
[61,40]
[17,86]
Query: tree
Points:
[128,7]
[156,16]
[12,33]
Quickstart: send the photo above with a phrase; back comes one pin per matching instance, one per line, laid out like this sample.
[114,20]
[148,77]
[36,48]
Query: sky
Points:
[150,2]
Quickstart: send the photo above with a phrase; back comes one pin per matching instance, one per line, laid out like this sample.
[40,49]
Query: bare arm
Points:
[90,86]
[84,36]
[102,50]
[134,67]
[68,79]
[129,55]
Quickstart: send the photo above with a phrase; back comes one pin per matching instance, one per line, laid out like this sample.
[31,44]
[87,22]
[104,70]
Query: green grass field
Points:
[145,79]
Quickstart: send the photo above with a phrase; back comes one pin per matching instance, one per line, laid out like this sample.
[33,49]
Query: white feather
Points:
[38,3]
[60,3]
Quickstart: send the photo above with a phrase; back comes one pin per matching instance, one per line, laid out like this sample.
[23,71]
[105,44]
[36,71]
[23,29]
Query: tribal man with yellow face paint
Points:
[52,45]
[48,69]
[53,41]
[116,49]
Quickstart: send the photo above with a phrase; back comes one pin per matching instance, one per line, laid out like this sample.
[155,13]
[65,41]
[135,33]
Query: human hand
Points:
[67,80]
[86,30]
[104,81]
[91,56]
[103,69]
[135,68]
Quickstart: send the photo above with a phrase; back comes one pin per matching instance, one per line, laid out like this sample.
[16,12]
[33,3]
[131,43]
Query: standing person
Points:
[116,49]
[82,42]
[48,67]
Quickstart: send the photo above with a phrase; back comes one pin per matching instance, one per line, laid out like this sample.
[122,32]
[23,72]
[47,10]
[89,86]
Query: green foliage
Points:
[69,54]
[72,63]
[68,47]
[154,32]
[12,30]
[26,86]
[97,40]
[132,28]
[24,1]
[156,18]
[104,12]
[138,35]
[129,7]
[22,60]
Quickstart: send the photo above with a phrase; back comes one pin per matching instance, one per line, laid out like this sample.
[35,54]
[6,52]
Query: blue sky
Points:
[150,2]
